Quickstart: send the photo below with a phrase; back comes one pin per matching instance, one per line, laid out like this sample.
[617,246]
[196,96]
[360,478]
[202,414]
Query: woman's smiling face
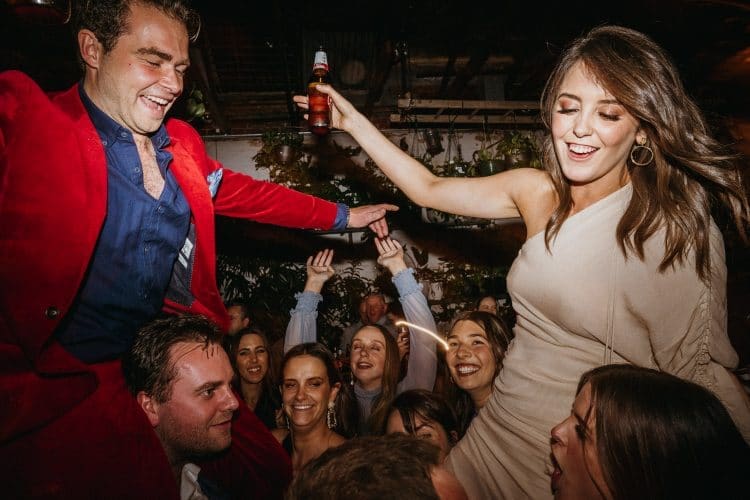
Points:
[306,391]
[470,359]
[368,357]
[252,359]
[592,133]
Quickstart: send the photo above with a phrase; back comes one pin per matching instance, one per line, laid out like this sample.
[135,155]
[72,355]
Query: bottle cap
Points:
[321,60]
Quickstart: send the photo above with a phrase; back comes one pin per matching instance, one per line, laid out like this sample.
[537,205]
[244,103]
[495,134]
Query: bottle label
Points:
[321,60]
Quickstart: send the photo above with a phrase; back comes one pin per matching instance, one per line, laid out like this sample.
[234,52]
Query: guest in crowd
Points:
[128,197]
[181,379]
[618,221]
[318,406]
[425,415]
[477,343]
[395,466]
[639,433]
[255,376]
[239,316]
[374,358]
[373,310]
[488,303]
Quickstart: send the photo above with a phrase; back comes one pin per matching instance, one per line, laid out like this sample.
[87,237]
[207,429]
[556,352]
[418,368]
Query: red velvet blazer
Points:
[53,188]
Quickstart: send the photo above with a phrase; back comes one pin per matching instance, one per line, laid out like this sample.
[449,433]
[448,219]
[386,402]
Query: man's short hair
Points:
[244,307]
[377,295]
[147,365]
[107,19]
[395,466]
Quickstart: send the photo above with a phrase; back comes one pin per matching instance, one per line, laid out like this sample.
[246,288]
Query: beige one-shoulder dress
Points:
[580,305]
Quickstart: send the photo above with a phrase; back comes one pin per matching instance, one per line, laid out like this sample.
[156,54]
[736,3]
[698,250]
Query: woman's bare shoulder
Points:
[535,197]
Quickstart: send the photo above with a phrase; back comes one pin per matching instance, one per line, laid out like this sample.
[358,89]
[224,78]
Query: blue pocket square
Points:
[214,179]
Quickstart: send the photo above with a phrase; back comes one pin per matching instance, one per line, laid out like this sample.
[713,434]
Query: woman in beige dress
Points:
[623,262]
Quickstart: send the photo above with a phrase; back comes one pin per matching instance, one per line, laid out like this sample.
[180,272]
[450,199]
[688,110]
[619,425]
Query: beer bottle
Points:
[319,112]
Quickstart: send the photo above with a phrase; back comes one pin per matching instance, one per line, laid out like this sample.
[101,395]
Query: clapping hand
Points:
[319,270]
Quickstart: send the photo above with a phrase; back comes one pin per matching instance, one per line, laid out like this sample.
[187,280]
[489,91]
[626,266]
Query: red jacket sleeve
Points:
[240,195]
[243,197]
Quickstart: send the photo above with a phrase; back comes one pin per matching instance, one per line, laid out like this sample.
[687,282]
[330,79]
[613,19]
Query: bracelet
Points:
[348,214]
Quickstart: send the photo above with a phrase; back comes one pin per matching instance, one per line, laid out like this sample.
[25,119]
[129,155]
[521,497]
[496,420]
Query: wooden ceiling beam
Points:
[209,96]
[379,76]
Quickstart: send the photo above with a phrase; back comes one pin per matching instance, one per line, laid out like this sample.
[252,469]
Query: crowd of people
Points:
[125,375]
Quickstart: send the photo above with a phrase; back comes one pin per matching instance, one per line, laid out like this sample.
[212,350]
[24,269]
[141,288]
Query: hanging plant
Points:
[195,106]
[519,149]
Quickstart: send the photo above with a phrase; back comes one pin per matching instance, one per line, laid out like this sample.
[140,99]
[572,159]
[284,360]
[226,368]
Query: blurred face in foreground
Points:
[576,472]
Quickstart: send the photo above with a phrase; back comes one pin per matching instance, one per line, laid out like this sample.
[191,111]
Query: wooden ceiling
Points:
[252,56]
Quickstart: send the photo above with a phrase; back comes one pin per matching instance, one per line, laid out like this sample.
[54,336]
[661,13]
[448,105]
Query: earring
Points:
[639,149]
[331,416]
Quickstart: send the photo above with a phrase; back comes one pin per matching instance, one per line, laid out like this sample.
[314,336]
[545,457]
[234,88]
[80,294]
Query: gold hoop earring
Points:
[331,416]
[637,150]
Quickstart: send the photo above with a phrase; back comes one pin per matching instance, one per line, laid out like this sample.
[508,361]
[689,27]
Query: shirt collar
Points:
[110,131]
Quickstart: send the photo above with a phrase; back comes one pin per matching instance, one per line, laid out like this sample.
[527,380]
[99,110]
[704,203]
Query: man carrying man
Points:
[107,216]
[181,378]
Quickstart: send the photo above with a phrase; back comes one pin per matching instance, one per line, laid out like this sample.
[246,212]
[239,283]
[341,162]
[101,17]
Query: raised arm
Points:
[302,327]
[422,356]
[499,196]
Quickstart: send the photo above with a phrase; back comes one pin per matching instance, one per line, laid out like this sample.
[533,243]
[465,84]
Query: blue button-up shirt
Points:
[136,251]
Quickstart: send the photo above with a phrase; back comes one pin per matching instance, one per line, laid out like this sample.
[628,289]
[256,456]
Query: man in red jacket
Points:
[106,221]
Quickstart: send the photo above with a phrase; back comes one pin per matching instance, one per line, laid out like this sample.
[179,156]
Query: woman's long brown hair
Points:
[690,171]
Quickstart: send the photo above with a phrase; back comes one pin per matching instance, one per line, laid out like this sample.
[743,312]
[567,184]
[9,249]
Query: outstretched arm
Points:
[422,356]
[302,327]
[497,196]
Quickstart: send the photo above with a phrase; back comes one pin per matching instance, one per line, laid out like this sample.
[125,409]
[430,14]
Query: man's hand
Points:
[319,270]
[391,255]
[372,216]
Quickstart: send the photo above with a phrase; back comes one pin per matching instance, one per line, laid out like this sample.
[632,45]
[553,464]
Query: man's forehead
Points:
[186,355]
[234,310]
[373,299]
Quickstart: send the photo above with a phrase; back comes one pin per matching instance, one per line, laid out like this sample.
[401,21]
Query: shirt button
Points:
[52,312]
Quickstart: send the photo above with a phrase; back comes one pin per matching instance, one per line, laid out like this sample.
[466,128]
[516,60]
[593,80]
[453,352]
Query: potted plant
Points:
[286,145]
[488,159]
[518,148]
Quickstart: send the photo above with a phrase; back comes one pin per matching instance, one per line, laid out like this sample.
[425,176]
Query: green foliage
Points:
[520,149]
[195,106]
[515,142]
[461,284]
[277,137]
